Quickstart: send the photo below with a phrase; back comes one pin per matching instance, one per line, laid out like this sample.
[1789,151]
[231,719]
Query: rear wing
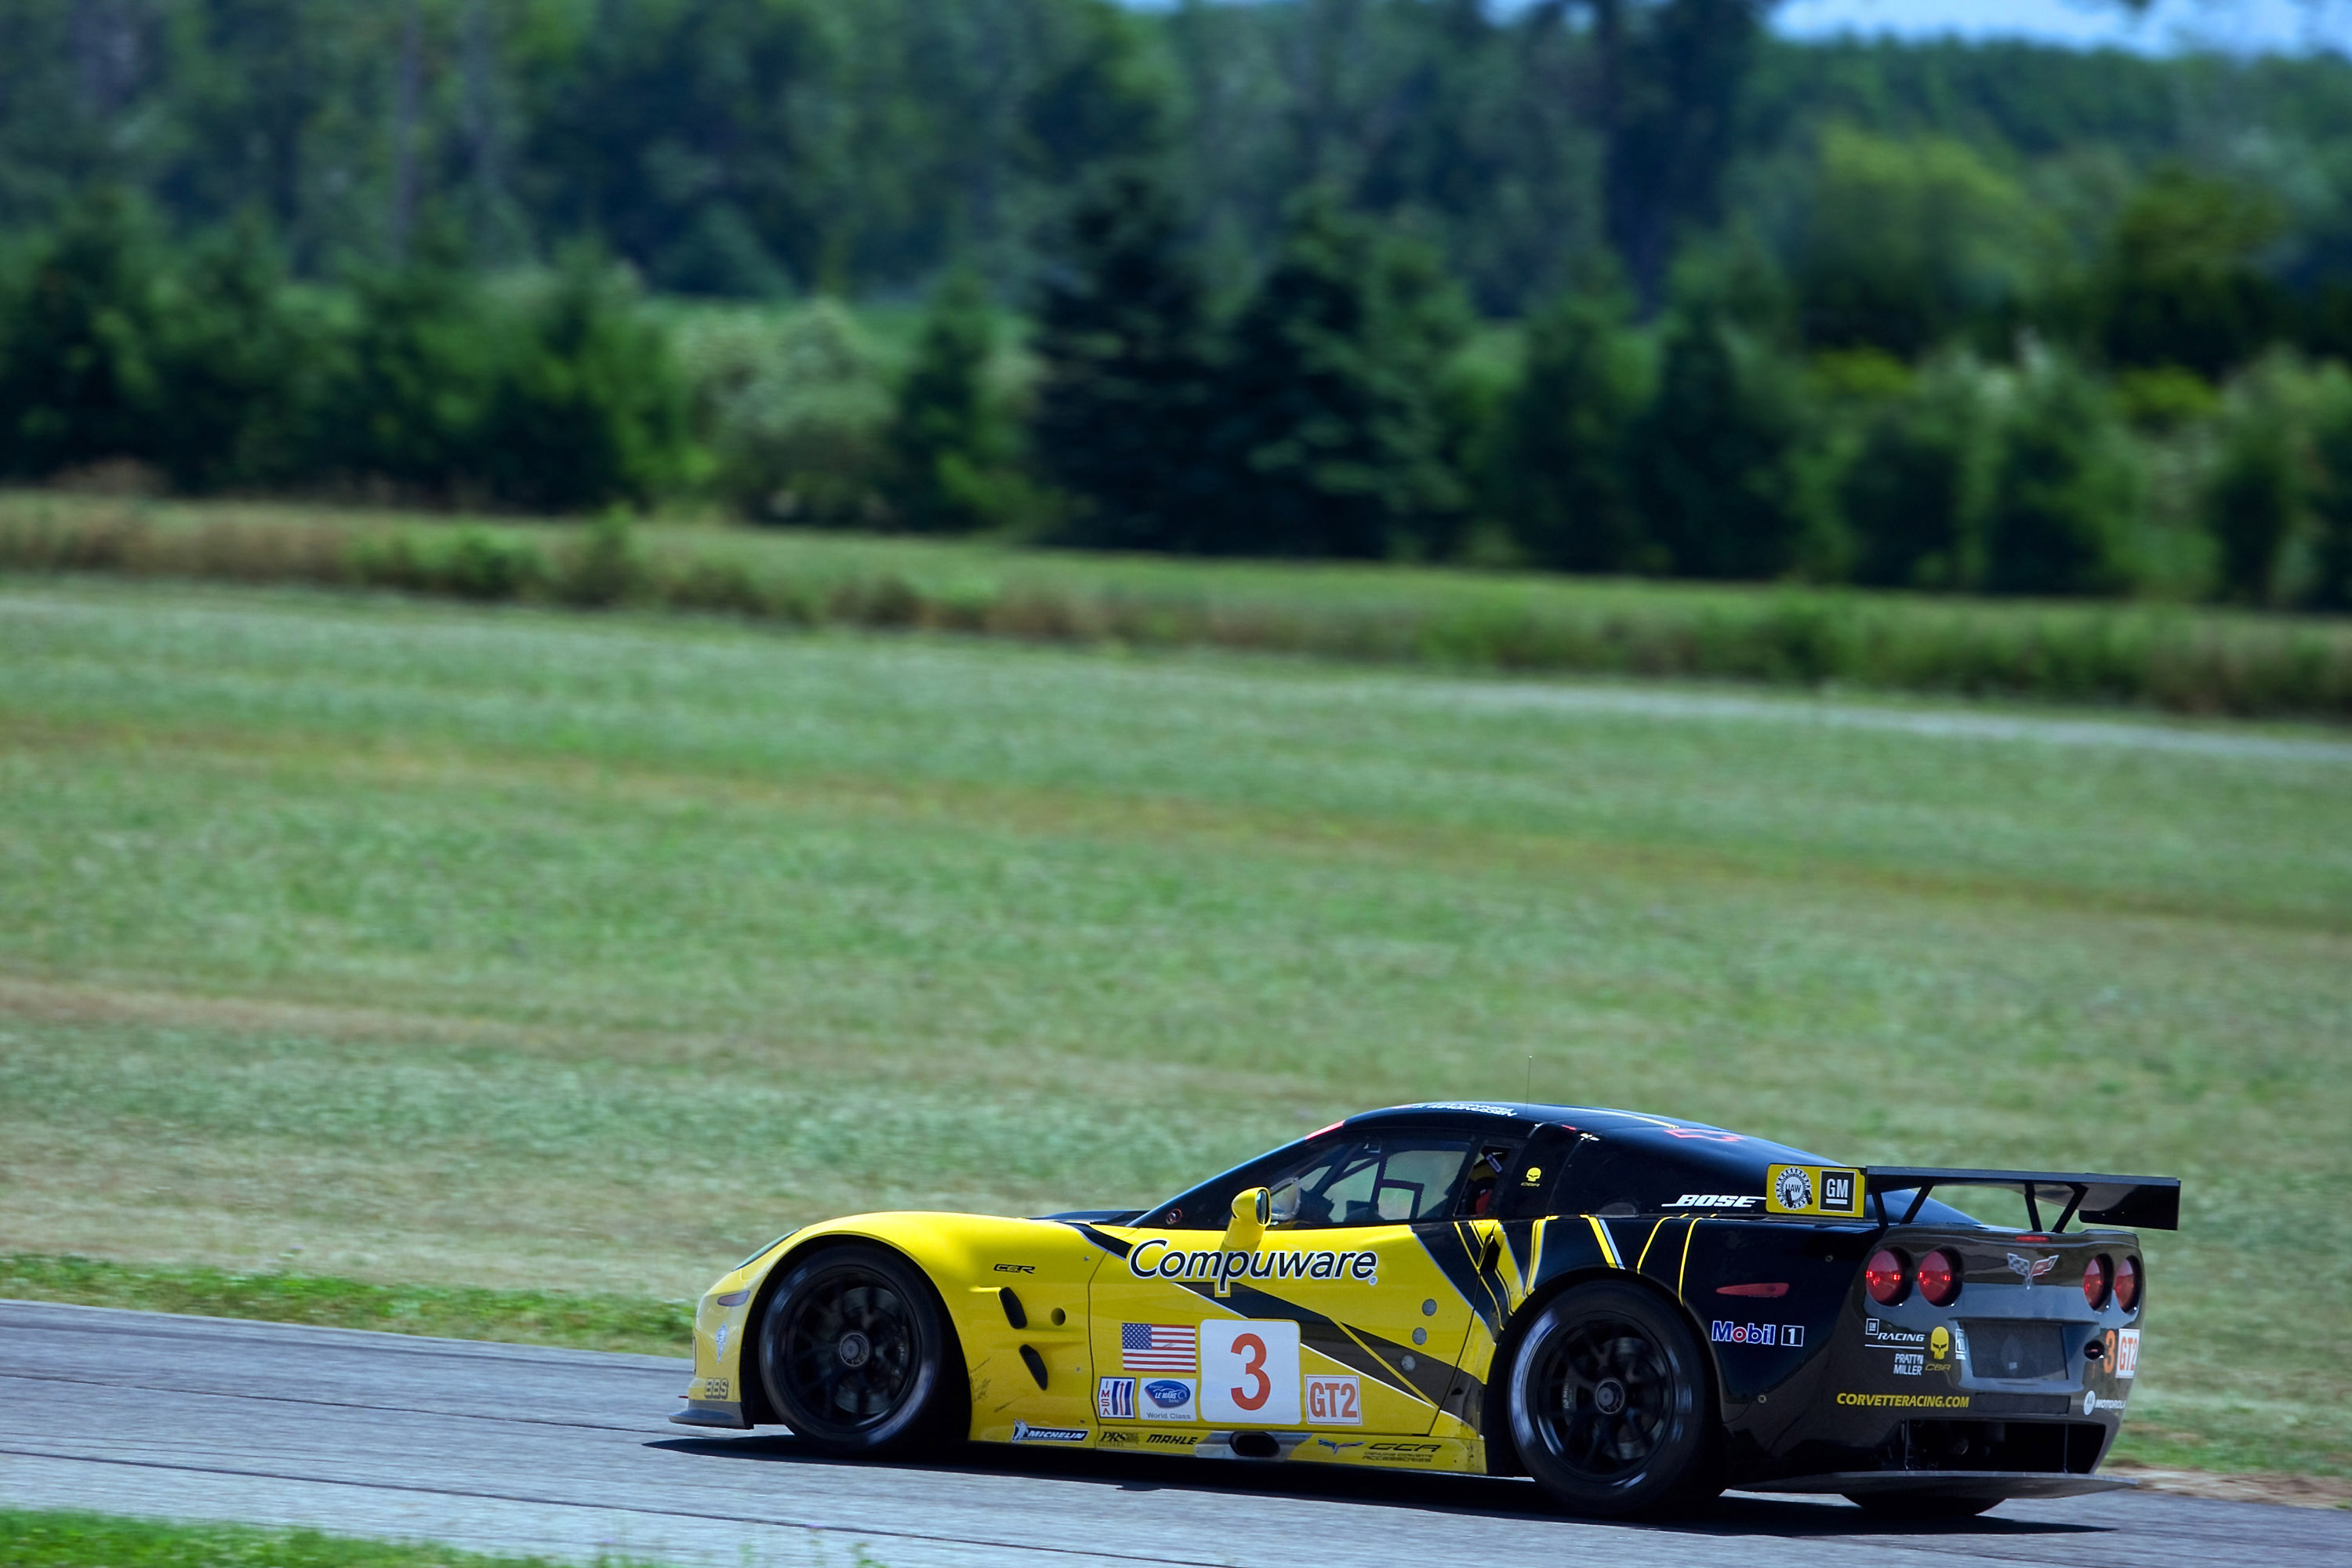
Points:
[2133,1203]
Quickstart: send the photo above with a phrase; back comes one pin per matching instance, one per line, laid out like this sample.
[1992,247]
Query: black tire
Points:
[1922,1507]
[1608,1404]
[858,1358]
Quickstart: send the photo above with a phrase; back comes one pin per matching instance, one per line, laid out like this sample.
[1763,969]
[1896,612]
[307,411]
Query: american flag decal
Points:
[1159,1347]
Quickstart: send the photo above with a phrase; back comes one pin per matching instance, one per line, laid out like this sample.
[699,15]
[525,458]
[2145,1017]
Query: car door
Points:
[1338,1320]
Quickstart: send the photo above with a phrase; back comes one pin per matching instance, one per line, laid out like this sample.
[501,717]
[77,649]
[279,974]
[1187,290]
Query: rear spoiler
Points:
[2135,1203]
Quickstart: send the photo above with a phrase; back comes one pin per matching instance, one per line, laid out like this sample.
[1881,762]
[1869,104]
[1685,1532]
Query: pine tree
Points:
[1915,493]
[1122,337]
[2062,491]
[81,379]
[1564,476]
[1716,453]
[950,451]
[1326,438]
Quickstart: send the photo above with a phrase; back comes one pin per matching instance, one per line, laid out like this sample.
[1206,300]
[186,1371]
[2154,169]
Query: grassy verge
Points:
[60,1540]
[402,941]
[458,1312]
[2166,657]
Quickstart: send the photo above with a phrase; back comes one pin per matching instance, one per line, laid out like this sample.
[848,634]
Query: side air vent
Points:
[1014,1313]
[1034,1363]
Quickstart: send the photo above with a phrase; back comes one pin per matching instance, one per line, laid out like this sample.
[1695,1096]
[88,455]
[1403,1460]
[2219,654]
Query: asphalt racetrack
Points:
[508,1448]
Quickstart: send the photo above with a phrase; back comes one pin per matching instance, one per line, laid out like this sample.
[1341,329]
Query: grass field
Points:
[43,1540]
[372,940]
[2183,658]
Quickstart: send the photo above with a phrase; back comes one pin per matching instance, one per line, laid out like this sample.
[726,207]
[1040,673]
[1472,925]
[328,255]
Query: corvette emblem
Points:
[2031,1268]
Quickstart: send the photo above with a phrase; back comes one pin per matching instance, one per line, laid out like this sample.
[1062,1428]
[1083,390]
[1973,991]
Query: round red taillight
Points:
[1887,1276]
[2097,1275]
[1940,1278]
[2127,1284]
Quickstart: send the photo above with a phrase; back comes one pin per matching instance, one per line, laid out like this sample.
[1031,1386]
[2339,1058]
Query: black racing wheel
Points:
[1609,1407]
[857,1355]
[1921,1506]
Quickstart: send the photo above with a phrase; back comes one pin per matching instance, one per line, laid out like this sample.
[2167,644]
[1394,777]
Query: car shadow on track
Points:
[1481,1496]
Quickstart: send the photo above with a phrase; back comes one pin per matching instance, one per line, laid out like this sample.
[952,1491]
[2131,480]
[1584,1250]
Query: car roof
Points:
[1696,1141]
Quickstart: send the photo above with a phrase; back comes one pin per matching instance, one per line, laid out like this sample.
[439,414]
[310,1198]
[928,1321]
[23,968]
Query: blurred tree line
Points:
[1603,285]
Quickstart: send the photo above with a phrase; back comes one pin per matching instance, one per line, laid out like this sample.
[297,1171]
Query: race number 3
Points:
[1249,1372]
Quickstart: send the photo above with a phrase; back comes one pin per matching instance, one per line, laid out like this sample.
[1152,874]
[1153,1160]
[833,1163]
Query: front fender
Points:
[972,1262]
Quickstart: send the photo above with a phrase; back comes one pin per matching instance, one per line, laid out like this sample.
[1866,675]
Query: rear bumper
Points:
[1945,1483]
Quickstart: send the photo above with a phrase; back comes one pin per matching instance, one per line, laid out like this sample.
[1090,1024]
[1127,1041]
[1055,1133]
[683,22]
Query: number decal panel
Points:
[1249,1372]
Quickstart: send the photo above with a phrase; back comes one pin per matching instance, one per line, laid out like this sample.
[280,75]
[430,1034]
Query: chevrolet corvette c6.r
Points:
[1636,1312]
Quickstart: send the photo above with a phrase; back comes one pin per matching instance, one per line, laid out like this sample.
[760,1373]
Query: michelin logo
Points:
[1024,1433]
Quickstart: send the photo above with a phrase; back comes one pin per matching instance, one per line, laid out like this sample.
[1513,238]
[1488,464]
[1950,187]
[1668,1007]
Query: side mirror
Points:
[1252,1208]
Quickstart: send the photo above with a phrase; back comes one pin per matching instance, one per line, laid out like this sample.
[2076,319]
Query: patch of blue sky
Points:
[2237,27]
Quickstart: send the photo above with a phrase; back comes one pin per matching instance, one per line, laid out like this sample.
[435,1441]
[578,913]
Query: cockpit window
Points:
[1479,1188]
[1394,1179]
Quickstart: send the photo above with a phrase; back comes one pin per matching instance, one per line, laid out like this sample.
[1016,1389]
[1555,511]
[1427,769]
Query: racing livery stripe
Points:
[1519,1235]
[1607,1244]
[1683,1273]
[1103,1239]
[1455,1248]
[1644,1259]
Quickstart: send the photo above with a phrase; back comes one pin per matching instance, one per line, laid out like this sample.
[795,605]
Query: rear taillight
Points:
[2127,1284]
[2098,1275]
[1887,1277]
[1940,1278]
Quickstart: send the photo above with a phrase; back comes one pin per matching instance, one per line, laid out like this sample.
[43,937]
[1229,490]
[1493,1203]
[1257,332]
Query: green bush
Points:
[2064,486]
[410,397]
[588,408]
[557,396]
[793,408]
[1911,244]
[952,450]
[2266,494]
[245,358]
[2181,282]
[1915,493]
[1718,451]
[1563,472]
[81,378]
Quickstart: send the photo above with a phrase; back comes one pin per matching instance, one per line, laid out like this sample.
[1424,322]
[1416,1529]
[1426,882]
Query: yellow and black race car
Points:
[1637,1311]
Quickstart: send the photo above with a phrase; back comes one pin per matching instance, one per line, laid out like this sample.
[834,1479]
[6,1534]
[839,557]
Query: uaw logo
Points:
[2031,1268]
[1795,1189]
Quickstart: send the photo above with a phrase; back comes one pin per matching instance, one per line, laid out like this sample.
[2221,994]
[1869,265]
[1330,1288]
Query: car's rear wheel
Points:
[857,1356]
[1922,1506]
[1609,1405]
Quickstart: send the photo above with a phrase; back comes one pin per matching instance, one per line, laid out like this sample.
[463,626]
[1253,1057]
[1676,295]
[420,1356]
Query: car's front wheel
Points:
[858,1357]
[1609,1404]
